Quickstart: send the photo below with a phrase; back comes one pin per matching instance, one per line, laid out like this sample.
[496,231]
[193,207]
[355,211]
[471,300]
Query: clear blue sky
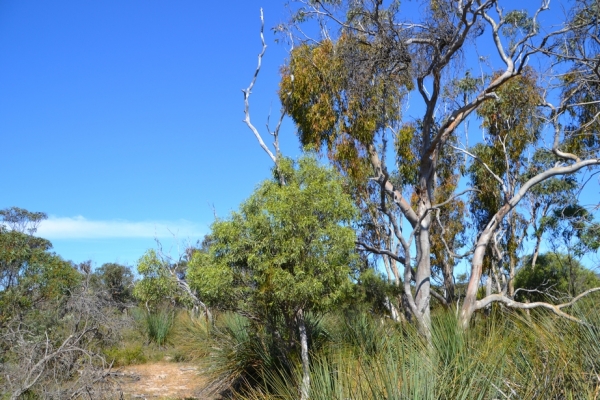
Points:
[123,119]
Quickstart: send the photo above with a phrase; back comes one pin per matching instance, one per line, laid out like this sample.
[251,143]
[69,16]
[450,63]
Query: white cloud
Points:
[82,228]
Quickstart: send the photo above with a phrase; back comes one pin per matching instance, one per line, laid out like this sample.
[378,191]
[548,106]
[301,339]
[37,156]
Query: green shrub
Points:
[128,355]
[239,353]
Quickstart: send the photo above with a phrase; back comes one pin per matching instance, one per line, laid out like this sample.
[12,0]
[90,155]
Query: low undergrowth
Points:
[507,355]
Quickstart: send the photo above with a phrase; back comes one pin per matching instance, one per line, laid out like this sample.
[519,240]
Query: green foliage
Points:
[406,145]
[154,324]
[580,85]
[341,94]
[554,190]
[518,20]
[214,282]
[156,284]
[513,127]
[158,325]
[237,354]
[554,275]
[512,124]
[289,247]
[287,253]
[191,337]
[121,356]
[345,90]
[159,283]
[573,228]
[371,292]
[29,272]
[116,280]
[527,357]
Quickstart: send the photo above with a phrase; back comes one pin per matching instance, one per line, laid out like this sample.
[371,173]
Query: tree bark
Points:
[536,251]
[511,274]
[447,272]
[394,313]
[469,306]
[305,385]
[423,280]
[488,292]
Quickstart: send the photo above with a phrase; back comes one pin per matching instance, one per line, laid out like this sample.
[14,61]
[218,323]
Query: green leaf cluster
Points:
[288,247]
[512,127]
[116,281]
[341,94]
[158,284]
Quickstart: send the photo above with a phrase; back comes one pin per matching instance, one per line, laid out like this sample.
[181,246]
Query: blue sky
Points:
[123,119]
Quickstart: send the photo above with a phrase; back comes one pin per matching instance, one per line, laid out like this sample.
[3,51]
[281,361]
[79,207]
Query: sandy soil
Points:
[162,380]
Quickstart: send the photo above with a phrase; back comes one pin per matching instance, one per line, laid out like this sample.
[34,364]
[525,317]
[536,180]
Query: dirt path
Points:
[162,380]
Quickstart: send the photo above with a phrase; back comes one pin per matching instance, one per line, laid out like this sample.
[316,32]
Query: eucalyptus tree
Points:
[348,86]
[512,125]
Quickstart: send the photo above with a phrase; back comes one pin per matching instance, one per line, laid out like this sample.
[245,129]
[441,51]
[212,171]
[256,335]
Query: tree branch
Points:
[556,309]
[379,251]
[248,91]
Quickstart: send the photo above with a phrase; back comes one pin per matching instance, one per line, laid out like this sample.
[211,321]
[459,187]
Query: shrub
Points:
[128,355]
[507,355]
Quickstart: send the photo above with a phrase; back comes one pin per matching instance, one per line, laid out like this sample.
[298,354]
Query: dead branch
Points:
[247,93]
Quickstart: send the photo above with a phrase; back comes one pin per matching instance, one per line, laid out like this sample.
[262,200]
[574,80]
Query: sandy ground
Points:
[162,380]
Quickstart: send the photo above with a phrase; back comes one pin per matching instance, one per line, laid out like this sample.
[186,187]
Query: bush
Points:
[128,355]
[555,276]
[239,353]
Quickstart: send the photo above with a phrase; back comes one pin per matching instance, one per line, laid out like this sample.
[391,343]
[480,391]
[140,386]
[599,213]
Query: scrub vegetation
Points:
[401,256]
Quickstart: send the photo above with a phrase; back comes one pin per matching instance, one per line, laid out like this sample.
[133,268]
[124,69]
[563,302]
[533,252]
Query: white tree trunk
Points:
[394,313]
[305,385]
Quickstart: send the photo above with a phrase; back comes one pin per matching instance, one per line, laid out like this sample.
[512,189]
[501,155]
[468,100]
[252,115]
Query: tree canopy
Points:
[289,247]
